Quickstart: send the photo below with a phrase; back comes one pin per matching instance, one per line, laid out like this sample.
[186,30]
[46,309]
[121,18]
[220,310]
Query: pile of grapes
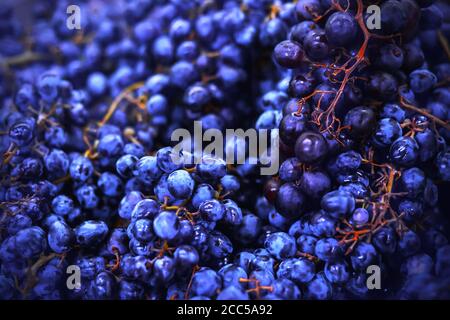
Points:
[90,190]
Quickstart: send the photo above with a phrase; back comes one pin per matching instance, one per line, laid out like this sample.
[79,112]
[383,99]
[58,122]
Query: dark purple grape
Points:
[289,54]
[310,147]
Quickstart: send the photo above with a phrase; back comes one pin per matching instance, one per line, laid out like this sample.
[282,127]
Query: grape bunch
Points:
[90,177]
[365,146]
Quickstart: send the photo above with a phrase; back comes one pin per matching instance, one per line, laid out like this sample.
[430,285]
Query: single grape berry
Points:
[288,54]
[311,147]
[341,28]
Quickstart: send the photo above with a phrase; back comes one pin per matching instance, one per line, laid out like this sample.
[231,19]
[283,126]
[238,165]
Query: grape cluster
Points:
[365,147]
[89,177]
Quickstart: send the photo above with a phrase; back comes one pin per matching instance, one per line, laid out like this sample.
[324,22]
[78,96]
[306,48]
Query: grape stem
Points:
[89,153]
[359,57]
[188,289]
[424,113]
[117,101]
[32,278]
[444,42]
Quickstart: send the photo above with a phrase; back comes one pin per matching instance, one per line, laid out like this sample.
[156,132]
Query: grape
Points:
[60,237]
[289,200]
[232,293]
[422,81]
[212,210]
[340,28]
[205,282]
[391,58]
[288,54]
[90,176]
[316,44]
[297,270]
[166,225]
[91,233]
[310,147]
[280,245]
[81,169]
[337,272]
